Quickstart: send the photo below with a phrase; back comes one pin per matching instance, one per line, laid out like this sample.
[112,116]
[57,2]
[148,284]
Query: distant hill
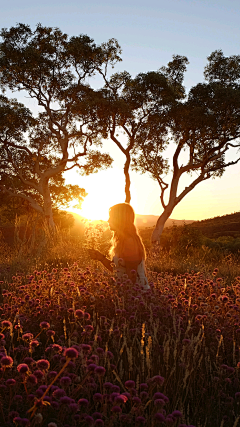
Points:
[142,221]
[150,221]
[227,225]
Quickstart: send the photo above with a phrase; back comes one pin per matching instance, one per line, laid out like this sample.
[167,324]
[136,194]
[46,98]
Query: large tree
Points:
[129,109]
[35,150]
[204,126]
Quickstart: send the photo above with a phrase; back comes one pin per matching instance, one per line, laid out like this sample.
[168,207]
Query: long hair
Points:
[123,217]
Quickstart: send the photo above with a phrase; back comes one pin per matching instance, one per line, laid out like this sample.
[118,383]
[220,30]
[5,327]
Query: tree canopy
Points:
[35,150]
[205,125]
[133,109]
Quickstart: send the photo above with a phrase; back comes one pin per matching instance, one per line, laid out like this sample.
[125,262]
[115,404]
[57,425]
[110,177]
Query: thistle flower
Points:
[141,420]
[160,417]
[39,374]
[65,381]
[159,402]
[116,409]
[107,385]
[115,388]
[28,360]
[159,395]
[129,384]
[6,361]
[50,333]
[65,400]
[32,379]
[120,399]
[43,364]
[21,421]
[100,370]
[10,382]
[27,337]
[6,324]
[158,379]
[176,414]
[89,420]
[57,394]
[57,348]
[44,325]
[143,386]
[71,353]
[98,397]
[83,402]
[23,368]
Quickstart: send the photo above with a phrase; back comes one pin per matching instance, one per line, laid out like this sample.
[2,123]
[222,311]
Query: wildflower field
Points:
[82,348]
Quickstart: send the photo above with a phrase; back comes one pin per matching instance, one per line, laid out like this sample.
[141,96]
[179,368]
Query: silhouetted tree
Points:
[133,109]
[53,70]
[205,125]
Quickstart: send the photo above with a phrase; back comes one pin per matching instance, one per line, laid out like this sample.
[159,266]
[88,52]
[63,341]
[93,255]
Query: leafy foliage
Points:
[35,151]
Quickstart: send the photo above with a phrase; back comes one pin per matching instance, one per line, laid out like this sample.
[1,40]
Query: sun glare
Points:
[104,191]
[93,208]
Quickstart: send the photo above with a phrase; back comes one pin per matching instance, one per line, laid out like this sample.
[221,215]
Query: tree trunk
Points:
[48,207]
[157,232]
[127,179]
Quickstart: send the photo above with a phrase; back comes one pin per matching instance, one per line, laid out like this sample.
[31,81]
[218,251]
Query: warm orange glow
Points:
[104,190]
[92,208]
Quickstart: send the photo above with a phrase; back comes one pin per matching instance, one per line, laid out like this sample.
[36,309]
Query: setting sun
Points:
[92,209]
[103,191]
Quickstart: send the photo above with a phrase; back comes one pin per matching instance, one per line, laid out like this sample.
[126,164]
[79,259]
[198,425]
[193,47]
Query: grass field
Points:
[80,348]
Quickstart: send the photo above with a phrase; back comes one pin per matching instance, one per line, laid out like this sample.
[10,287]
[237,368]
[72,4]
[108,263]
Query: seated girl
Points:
[128,252]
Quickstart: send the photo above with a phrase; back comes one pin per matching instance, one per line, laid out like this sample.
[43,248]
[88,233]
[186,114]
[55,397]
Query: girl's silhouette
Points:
[127,252]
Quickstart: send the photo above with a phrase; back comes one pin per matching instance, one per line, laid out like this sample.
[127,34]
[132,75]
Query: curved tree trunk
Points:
[157,232]
[127,179]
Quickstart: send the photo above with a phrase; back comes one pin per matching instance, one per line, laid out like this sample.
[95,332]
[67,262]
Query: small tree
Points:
[204,126]
[35,151]
[132,109]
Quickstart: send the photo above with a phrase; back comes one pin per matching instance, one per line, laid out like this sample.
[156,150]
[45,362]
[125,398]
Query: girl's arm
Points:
[94,254]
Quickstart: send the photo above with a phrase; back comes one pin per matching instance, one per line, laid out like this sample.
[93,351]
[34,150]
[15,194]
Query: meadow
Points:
[82,348]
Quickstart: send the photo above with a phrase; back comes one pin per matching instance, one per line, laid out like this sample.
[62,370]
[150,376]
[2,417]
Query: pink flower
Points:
[28,336]
[79,313]
[6,324]
[159,417]
[130,384]
[7,361]
[10,382]
[32,379]
[98,397]
[83,402]
[116,409]
[141,420]
[158,379]
[43,364]
[39,374]
[176,414]
[100,370]
[23,368]
[44,325]
[65,381]
[71,353]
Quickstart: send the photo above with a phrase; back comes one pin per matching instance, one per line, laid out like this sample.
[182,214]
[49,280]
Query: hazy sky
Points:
[149,32]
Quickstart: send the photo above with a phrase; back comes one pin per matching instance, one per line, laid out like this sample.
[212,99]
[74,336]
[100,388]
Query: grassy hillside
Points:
[227,225]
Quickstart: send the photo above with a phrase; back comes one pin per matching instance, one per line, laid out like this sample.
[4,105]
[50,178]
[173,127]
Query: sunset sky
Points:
[149,32]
